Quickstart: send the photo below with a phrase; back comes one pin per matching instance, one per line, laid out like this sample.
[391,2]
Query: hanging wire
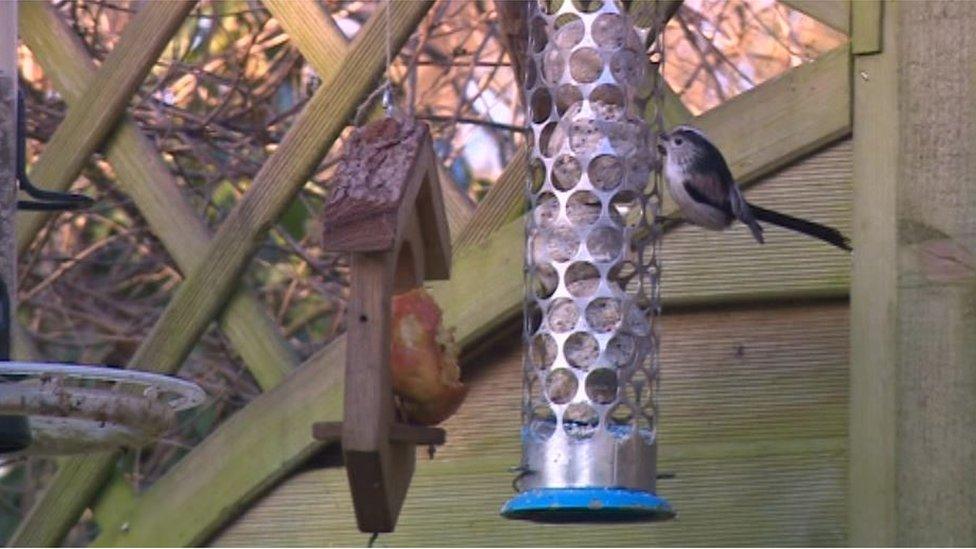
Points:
[412,79]
[388,86]
[385,89]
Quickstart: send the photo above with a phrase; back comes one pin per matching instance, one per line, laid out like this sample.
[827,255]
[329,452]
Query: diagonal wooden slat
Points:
[313,31]
[144,177]
[458,206]
[643,10]
[836,14]
[785,118]
[96,113]
[49,521]
[504,202]
[199,298]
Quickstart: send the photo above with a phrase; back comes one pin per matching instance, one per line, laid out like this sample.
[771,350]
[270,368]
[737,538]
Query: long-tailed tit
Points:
[701,183]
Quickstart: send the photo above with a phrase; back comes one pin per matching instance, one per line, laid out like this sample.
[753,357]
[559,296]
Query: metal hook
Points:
[45,200]
[523,472]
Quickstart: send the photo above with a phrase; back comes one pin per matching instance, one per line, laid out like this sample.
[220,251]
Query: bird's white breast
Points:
[693,211]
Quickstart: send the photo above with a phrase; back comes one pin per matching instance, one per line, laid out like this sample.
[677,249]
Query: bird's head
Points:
[682,144]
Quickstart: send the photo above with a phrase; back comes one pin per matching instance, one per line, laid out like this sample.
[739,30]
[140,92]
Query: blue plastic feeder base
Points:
[587,505]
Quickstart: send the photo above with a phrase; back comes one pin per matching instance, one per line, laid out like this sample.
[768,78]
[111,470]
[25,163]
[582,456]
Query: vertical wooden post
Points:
[14,433]
[8,142]
[378,469]
[913,292]
[874,291]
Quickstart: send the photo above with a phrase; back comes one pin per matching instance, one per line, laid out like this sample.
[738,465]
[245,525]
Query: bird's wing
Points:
[708,188]
[718,189]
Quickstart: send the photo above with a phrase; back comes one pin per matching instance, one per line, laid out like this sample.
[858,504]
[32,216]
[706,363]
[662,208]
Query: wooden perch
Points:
[387,211]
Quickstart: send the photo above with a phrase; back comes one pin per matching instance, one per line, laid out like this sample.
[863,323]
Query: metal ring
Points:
[72,408]
[182,394]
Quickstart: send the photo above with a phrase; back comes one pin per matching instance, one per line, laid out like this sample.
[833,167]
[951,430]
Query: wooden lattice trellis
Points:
[236,462]
[213,264]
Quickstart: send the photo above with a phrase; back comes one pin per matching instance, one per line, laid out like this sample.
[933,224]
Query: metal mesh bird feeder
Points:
[592,273]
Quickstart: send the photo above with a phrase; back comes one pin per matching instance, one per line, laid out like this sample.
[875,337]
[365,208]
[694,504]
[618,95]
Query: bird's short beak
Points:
[661,140]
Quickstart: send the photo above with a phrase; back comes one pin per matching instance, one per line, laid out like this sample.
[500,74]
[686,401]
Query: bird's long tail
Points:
[809,228]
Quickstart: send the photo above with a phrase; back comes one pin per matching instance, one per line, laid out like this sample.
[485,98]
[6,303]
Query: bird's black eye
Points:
[678,141]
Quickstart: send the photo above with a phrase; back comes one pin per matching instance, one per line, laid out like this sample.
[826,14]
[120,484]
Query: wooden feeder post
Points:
[386,210]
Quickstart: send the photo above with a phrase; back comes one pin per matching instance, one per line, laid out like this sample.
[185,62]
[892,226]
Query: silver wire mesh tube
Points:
[589,403]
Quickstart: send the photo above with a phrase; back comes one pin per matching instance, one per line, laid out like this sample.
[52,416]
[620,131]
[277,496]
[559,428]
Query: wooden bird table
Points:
[386,209]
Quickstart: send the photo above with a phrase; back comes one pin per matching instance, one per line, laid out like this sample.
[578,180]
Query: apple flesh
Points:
[424,360]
